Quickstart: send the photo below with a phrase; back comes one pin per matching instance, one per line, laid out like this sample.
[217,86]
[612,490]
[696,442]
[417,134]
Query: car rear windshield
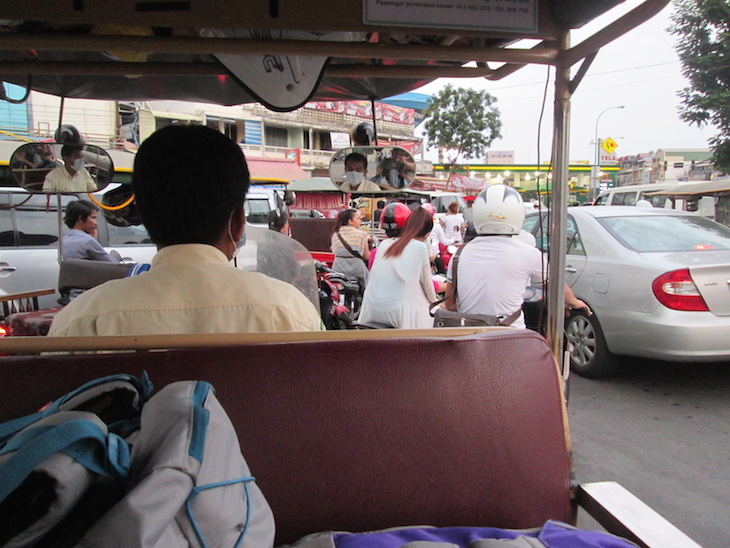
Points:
[667,233]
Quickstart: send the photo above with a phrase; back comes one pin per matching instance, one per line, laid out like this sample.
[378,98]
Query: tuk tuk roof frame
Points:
[54,50]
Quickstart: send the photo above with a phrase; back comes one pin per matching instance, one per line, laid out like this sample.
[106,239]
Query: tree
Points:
[703,46]
[462,121]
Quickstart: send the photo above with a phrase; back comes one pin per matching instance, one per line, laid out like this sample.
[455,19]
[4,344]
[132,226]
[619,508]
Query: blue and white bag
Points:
[49,460]
[189,484]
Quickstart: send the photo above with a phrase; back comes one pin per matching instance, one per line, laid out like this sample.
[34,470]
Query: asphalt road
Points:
[662,430]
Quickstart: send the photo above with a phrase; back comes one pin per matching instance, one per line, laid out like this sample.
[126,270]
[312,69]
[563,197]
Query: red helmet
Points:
[394,216]
[429,207]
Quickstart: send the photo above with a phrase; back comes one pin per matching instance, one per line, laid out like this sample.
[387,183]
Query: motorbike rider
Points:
[392,220]
[438,241]
[495,267]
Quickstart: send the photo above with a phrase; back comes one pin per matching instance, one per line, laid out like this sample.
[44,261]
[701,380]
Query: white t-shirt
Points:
[452,226]
[438,237]
[493,274]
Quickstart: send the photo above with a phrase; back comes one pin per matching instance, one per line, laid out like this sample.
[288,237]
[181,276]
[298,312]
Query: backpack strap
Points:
[83,440]
[141,390]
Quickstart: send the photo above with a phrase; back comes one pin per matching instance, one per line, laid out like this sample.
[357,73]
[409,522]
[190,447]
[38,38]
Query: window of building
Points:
[276,136]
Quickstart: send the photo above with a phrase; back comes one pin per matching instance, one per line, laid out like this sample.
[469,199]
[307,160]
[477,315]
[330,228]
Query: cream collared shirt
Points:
[59,180]
[190,288]
[365,186]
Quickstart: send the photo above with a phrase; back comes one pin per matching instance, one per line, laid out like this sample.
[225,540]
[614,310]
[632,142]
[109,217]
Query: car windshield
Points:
[667,233]
[257,210]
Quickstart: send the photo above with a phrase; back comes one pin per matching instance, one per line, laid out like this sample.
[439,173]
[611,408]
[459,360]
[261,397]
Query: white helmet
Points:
[498,210]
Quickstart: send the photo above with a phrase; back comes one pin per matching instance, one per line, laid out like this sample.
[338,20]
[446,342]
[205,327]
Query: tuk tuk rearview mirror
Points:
[368,170]
[49,168]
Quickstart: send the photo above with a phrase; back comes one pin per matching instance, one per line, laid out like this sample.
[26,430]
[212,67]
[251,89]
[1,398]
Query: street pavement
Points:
[662,430]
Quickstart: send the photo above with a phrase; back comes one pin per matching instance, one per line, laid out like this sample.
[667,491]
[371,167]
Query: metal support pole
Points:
[558,207]
[596,169]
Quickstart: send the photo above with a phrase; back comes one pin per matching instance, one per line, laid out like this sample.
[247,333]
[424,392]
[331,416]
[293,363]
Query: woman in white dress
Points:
[400,288]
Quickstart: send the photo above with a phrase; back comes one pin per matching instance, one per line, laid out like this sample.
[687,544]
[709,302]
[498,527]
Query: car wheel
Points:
[589,355]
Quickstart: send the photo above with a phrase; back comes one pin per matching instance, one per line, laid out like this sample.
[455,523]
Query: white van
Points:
[630,194]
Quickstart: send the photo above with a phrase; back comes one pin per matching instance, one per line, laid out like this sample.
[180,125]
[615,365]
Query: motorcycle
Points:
[338,298]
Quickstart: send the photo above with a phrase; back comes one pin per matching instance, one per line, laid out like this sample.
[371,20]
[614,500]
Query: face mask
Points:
[78,164]
[353,177]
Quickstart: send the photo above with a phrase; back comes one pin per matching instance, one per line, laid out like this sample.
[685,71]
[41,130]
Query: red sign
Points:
[363,109]
[293,154]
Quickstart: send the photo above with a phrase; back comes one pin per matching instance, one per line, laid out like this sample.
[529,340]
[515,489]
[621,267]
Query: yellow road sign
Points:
[609,145]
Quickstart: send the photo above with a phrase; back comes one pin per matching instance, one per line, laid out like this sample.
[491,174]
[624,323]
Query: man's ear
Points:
[238,223]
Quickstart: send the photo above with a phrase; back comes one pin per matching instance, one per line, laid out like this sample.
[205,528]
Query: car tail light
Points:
[3,330]
[677,290]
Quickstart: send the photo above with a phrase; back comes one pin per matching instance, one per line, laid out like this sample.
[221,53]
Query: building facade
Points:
[308,136]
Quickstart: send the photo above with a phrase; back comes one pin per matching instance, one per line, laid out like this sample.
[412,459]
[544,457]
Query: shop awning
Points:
[274,168]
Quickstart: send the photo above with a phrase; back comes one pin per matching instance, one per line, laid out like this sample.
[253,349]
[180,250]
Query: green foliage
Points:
[703,45]
[462,121]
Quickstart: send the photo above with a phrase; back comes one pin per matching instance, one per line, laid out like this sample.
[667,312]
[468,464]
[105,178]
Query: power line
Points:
[541,82]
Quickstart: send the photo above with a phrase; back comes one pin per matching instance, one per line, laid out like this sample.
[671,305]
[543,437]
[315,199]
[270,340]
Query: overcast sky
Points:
[640,70]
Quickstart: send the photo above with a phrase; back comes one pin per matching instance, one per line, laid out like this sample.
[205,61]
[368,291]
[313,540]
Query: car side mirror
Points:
[48,168]
[368,170]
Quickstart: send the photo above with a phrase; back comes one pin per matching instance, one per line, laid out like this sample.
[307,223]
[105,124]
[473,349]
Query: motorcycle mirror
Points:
[368,170]
[48,168]
[290,197]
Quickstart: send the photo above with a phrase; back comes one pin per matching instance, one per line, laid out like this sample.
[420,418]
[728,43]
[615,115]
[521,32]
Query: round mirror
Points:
[53,167]
[290,197]
[371,170]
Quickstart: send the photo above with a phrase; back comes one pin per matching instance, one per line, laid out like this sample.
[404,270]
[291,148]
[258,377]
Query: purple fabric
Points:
[553,534]
[461,536]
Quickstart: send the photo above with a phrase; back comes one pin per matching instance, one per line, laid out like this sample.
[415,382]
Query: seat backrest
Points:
[366,434]
[85,274]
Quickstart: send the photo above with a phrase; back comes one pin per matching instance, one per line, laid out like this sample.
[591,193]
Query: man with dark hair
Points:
[190,183]
[80,242]
[278,222]
[356,172]
[72,176]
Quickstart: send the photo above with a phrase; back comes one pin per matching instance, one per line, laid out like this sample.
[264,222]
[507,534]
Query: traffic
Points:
[266,398]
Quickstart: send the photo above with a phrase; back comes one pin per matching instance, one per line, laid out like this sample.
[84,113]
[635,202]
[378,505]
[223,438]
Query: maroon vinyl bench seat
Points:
[366,433]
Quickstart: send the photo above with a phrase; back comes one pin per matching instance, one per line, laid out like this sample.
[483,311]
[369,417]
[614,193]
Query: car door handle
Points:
[571,269]
[7,269]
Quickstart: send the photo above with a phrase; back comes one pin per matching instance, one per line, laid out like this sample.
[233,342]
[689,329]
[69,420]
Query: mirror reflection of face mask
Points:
[78,164]
[353,177]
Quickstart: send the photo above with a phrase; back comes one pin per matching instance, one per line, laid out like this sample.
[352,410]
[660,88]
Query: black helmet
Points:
[363,134]
[67,134]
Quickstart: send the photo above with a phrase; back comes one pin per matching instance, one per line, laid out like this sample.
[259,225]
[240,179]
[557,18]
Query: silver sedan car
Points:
[657,280]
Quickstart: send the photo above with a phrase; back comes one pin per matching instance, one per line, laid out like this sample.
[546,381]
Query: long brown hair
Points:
[418,225]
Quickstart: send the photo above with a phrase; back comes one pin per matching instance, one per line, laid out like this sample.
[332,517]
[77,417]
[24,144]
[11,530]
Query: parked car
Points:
[657,281]
[260,200]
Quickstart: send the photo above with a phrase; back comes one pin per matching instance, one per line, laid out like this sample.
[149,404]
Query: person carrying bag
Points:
[443,317]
